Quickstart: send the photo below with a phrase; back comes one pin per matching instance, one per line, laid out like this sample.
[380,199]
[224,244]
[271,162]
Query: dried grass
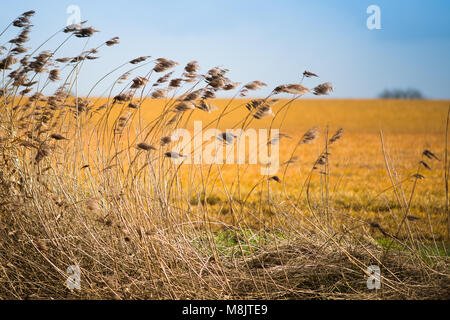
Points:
[126,217]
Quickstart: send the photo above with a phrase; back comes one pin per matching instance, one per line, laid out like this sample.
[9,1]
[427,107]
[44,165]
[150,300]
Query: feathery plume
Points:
[207,107]
[164,64]
[145,146]
[226,137]
[194,95]
[291,88]
[54,75]
[175,83]
[184,106]
[425,165]
[275,140]
[323,89]
[163,79]
[139,60]
[138,82]
[430,155]
[85,32]
[57,136]
[112,42]
[337,135]
[174,155]
[309,136]
[255,85]
[191,67]
[158,94]
[308,74]
[275,178]
[166,140]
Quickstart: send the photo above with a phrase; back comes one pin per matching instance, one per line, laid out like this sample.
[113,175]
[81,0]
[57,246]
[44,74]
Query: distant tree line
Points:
[401,94]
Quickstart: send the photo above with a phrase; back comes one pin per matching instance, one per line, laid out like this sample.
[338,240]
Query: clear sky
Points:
[268,40]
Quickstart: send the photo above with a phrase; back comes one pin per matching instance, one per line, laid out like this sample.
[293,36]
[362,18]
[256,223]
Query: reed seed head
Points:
[323,89]
[145,146]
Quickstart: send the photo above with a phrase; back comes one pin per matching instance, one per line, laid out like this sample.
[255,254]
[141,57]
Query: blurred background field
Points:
[356,116]
[360,186]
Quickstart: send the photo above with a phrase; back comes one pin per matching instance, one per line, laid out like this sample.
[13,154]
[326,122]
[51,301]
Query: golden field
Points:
[360,186]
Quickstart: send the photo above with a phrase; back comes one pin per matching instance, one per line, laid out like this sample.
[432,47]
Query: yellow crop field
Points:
[360,186]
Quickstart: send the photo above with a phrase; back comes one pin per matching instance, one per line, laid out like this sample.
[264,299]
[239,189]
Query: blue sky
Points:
[272,41]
